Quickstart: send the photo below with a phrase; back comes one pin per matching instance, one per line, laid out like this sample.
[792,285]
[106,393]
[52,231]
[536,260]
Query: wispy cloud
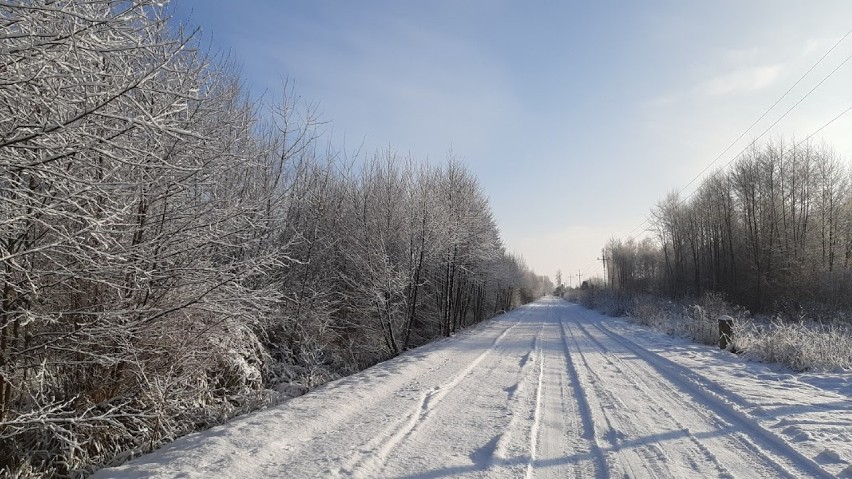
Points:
[550,105]
[399,83]
[743,80]
[816,46]
[740,56]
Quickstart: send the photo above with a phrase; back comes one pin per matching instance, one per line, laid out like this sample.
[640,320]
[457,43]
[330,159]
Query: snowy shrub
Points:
[603,300]
[802,345]
[698,322]
[799,345]
[649,311]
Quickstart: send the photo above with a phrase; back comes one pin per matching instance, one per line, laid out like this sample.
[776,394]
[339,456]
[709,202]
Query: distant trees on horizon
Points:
[773,232]
[171,253]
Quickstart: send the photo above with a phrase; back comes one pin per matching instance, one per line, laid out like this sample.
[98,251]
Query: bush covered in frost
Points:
[814,338]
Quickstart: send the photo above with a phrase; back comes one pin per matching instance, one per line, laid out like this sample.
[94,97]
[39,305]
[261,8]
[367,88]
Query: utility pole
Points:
[579,278]
[603,259]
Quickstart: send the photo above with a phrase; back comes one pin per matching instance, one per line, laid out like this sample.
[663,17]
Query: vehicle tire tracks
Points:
[369,460]
[642,382]
[710,395]
[585,410]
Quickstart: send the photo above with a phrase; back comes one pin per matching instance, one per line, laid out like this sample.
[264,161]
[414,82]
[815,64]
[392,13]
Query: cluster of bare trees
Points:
[387,255]
[167,258]
[773,231]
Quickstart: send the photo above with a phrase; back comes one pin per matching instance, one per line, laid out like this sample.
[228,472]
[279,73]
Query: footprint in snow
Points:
[796,434]
[783,422]
[760,411]
[827,456]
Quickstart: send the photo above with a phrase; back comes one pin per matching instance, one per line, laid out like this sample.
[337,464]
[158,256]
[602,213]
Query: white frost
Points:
[548,390]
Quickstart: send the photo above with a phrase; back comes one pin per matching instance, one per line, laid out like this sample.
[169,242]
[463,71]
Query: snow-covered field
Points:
[548,390]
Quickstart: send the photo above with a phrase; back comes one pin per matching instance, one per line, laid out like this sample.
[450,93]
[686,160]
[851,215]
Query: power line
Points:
[796,145]
[772,107]
[766,130]
[755,122]
[845,111]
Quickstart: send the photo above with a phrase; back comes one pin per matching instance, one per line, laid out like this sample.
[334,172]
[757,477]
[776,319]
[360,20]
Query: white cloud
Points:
[737,56]
[744,80]
[816,46]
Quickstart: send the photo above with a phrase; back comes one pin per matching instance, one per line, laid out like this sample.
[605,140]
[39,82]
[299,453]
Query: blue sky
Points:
[576,117]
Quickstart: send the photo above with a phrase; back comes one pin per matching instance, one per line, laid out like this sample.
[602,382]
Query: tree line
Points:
[171,252]
[772,232]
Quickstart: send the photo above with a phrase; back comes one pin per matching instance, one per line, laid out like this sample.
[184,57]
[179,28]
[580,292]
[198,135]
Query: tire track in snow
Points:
[537,414]
[759,458]
[369,460]
[556,446]
[710,395]
[641,381]
[610,409]
[518,406]
[481,424]
[662,404]
[601,468]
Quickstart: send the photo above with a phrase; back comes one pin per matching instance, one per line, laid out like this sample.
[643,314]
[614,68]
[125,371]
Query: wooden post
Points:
[726,331]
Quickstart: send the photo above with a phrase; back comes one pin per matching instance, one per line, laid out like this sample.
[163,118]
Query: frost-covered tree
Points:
[168,259]
[771,232]
[133,238]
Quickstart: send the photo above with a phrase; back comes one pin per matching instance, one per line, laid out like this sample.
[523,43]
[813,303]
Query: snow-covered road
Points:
[548,390]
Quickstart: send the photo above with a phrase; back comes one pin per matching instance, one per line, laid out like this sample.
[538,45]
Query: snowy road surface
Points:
[548,390]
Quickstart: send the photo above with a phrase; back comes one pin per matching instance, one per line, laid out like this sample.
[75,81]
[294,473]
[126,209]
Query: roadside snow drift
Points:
[548,390]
